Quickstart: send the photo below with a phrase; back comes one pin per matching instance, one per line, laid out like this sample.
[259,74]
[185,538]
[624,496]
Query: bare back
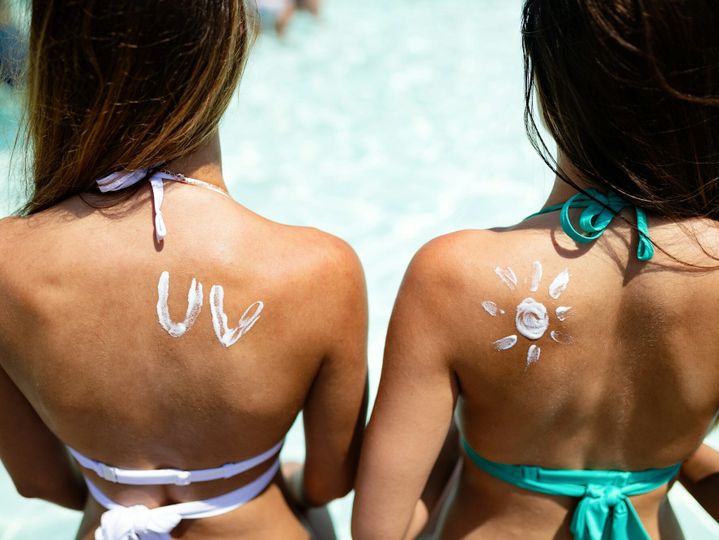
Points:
[625,376]
[81,339]
[621,373]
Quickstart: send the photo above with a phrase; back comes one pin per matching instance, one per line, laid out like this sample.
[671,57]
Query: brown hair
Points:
[629,90]
[122,84]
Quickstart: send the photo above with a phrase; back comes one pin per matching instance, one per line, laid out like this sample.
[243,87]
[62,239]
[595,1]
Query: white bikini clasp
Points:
[142,523]
[177,477]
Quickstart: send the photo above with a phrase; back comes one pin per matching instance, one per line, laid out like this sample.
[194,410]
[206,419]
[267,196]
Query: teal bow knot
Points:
[603,509]
[598,212]
[611,495]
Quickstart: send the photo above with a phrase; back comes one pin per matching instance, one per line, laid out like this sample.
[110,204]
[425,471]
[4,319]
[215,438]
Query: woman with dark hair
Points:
[576,348]
[151,327]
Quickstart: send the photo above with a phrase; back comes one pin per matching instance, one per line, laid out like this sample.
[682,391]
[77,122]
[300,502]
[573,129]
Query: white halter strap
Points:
[160,477]
[124,179]
[142,523]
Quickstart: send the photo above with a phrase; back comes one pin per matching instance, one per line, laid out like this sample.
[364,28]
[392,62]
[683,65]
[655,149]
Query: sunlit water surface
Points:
[386,123]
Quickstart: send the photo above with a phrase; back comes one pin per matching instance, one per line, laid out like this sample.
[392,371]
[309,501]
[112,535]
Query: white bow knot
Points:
[137,523]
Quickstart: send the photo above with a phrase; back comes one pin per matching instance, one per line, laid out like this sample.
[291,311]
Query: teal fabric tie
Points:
[604,511]
[599,211]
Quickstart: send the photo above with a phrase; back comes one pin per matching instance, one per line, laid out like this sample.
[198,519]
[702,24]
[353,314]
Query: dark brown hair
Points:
[629,90]
[126,84]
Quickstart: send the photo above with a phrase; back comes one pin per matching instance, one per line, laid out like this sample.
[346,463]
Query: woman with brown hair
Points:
[577,348]
[175,423]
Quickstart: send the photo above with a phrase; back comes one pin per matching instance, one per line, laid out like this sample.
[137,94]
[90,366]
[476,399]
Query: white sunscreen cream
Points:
[505,343]
[532,319]
[559,285]
[533,355]
[194,306]
[536,276]
[491,308]
[561,337]
[508,276]
[226,335]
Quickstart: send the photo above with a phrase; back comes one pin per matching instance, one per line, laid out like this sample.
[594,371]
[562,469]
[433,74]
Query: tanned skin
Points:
[638,388]
[85,362]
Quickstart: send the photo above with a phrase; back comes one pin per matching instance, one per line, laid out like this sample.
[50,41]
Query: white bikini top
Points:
[125,179]
[160,477]
[116,182]
[140,522]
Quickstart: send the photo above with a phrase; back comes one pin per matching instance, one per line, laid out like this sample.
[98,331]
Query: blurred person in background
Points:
[13,49]
[313,6]
[153,328]
[277,14]
[576,351]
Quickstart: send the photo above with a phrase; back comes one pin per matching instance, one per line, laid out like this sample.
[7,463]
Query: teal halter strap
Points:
[599,211]
[604,511]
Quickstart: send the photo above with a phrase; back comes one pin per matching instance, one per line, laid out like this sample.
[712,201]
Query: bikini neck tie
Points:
[118,181]
[599,211]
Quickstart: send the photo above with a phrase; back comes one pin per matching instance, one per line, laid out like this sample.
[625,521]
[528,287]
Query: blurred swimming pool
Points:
[386,123]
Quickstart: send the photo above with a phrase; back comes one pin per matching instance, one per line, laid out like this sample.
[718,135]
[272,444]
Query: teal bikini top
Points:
[599,211]
[604,511]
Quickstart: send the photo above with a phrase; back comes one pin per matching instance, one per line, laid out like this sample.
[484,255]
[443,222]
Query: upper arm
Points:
[700,476]
[335,409]
[416,399]
[33,456]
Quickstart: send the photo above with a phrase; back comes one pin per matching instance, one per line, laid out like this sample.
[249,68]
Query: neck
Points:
[561,191]
[204,164]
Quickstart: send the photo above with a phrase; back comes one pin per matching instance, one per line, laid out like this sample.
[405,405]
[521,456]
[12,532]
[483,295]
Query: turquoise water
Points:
[386,123]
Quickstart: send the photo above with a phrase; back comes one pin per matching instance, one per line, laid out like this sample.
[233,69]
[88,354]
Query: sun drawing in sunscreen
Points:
[532,317]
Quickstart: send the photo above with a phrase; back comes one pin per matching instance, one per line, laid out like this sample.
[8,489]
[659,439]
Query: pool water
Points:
[386,123]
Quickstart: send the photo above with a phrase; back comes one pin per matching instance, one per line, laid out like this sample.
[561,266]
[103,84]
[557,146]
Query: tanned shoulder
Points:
[448,264]
[332,260]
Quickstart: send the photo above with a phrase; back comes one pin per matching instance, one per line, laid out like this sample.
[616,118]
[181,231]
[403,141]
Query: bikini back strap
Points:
[599,211]
[159,477]
[142,523]
[604,511]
